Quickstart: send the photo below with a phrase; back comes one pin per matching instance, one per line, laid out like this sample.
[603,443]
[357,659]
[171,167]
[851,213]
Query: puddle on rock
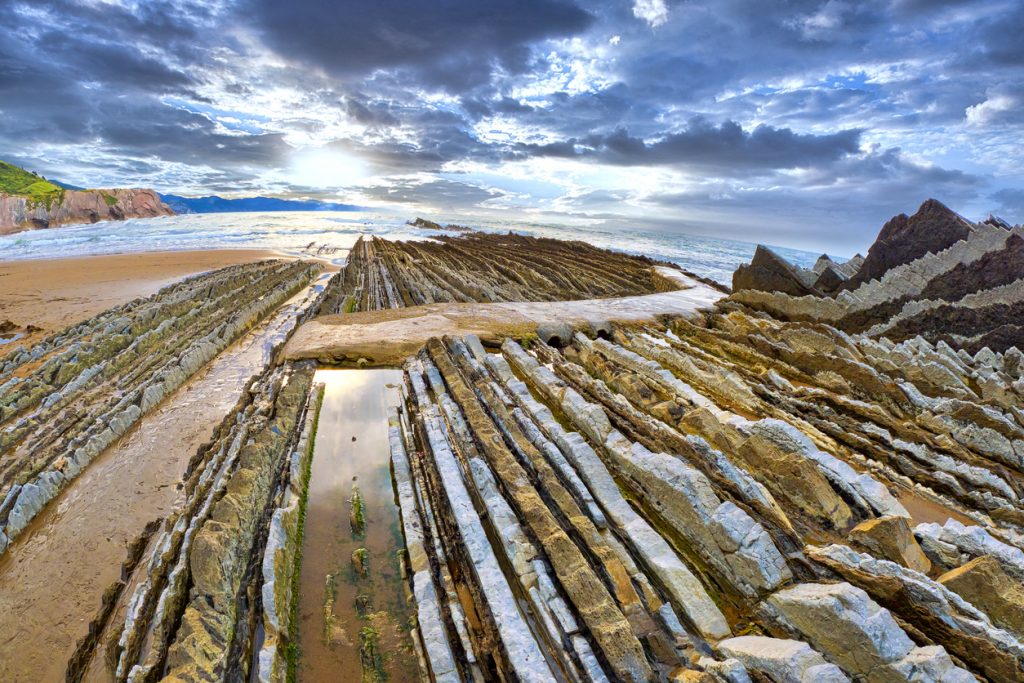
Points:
[340,609]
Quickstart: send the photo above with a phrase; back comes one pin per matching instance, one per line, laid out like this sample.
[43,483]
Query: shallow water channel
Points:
[53,576]
[340,608]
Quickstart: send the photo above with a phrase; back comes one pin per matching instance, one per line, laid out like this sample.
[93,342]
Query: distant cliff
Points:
[215,204]
[29,201]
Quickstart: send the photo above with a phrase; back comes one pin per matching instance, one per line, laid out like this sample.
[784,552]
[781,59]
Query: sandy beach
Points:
[51,294]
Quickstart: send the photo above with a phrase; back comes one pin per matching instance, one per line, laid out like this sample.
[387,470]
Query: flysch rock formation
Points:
[80,206]
[934,274]
[782,465]
[68,398]
[727,494]
[717,492]
[485,267]
[231,538]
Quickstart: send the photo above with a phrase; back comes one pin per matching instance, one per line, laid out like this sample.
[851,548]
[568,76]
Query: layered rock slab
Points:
[841,621]
[983,583]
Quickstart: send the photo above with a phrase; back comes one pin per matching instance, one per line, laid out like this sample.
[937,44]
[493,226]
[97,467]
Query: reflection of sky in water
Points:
[292,232]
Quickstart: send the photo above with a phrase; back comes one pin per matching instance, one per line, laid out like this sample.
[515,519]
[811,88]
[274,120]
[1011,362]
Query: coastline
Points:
[649,405]
[52,293]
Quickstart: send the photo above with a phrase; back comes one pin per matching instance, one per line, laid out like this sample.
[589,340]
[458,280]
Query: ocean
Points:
[295,232]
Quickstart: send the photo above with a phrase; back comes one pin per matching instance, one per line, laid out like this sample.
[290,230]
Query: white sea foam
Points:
[291,232]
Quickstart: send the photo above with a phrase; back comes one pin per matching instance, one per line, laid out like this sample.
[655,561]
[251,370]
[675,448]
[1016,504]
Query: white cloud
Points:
[822,24]
[992,110]
[654,12]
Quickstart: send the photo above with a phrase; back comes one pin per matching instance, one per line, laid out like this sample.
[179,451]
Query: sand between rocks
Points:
[53,293]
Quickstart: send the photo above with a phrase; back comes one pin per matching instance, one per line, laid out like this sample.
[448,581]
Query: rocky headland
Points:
[694,486]
[933,275]
[28,202]
[79,206]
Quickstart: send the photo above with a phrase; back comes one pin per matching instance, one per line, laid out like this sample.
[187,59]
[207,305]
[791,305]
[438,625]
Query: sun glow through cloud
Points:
[325,169]
[818,120]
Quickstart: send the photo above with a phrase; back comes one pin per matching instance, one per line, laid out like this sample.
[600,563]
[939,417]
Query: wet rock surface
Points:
[745,493]
[195,613]
[67,398]
[485,267]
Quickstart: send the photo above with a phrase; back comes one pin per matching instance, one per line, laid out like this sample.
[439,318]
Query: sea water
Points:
[300,233]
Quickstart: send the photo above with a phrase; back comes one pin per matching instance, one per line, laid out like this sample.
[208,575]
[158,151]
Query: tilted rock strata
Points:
[964,542]
[218,560]
[725,528]
[186,613]
[568,548]
[485,267]
[842,622]
[783,660]
[520,652]
[860,425]
[891,538]
[983,583]
[769,272]
[871,398]
[682,588]
[280,565]
[934,275]
[429,616]
[907,238]
[80,206]
[69,397]
[938,612]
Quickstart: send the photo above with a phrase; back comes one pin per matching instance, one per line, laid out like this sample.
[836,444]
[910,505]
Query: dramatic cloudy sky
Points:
[802,123]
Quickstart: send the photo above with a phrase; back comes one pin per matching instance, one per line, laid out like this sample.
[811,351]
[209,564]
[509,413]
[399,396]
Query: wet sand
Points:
[352,449]
[54,293]
[54,574]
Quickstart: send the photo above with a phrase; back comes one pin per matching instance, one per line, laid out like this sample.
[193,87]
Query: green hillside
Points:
[38,190]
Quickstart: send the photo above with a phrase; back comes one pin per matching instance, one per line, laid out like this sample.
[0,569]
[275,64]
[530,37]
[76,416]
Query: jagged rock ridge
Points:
[903,239]
[933,274]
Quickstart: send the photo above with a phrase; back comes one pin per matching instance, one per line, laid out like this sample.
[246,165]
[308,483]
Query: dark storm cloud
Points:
[573,115]
[115,65]
[1000,39]
[82,75]
[173,134]
[724,148]
[850,203]
[828,112]
[452,44]
[1009,204]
